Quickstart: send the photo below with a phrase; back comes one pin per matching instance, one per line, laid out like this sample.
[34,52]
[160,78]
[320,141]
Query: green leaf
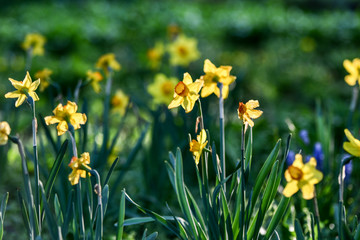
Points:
[298,231]
[280,211]
[2,213]
[53,227]
[260,179]
[121,217]
[248,151]
[24,212]
[105,198]
[48,134]
[312,225]
[357,233]
[113,165]
[55,169]
[65,226]
[181,194]
[58,213]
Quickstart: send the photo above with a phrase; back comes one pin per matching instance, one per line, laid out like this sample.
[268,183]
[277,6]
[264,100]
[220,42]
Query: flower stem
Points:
[317,215]
[242,182]
[36,161]
[78,186]
[29,55]
[100,214]
[222,135]
[204,163]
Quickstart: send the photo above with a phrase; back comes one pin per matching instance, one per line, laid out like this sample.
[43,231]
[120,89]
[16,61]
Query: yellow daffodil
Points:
[186,93]
[79,166]
[352,147]
[353,68]
[65,115]
[24,89]
[246,111]
[94,78]
[35,42]
[196,147]
[44,76]
[162,89]
[119,102]
[155,54]
[108,62]
[4,132]
[302,176]
[212,76]
[183,51]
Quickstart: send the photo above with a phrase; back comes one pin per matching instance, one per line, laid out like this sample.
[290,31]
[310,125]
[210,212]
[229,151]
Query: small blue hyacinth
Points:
[319,156]
[290,158]
[348,171]
[304,135]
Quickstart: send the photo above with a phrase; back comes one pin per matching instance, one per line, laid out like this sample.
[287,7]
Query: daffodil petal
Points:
[176,102]
[34,85]
[207,90]
[350,80]
[62,128]
[51,120]
[251,104]
[209,66]
[287,175]
[16,84]
[352,149]
[34,96]
[308,191]
[27,80]
[291,188]
[14,94]
[20,100]
[187,79]
[351,138]
[254,113]
[298,162]
[349,66]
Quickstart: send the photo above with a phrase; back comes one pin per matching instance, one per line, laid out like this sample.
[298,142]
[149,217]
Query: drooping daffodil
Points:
[79,168]
[246,112]
[197,146]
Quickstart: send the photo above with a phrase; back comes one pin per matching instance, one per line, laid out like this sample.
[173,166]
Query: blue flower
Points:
[290,158]
[319,155]
[304,135]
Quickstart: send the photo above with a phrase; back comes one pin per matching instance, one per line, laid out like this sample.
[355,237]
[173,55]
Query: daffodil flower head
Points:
[155,54]
[246,112]
[4,132]
[197,146]
[79,168]
[119,102]
[35,42]
[186,93]
[302,176]
[353,68]
[94,78]
[162,89]
[44,76]
[107,62]
[353,146]
[65,116]
[24,89]
[183,51]
[213,76]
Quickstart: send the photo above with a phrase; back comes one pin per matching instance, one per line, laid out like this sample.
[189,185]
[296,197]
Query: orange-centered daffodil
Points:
[212,76]
[186,93]
[94,78]
[79,166]
[24,89]
[108,62]
[302,176]
[246,111]
[65,115]
[352,147]
[196,147]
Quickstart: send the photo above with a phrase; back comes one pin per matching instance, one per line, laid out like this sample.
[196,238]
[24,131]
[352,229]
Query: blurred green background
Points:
[286,54]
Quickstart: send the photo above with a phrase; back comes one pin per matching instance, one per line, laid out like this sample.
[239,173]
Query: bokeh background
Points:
[286,54]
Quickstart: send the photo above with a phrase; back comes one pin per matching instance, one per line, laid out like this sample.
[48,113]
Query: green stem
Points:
[36,162]
[317,215]
[29,55]
[78,186]
[204,164]
[27,185]
[222,135]
[100,206]
[242,186]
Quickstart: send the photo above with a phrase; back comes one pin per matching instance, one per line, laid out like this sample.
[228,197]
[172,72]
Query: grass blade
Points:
[113,165]
[2,213]
[280,211]
[121,217]
[298,231]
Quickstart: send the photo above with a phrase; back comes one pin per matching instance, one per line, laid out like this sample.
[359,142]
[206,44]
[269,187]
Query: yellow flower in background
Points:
[162,89]
[35,42]
[196,147]
[94,78]
[173,31]
[155,54]
[119,102]
[186,93]
[302,176]
[79,166]
[24,88]
[212,76]
[353,68]
[352,147]
[183,51]
[4,132]
[65,115]
[44,76]
[108,62]
[246,111]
